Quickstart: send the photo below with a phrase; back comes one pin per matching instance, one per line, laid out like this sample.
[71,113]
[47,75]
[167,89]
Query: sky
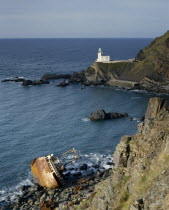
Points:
[83,18]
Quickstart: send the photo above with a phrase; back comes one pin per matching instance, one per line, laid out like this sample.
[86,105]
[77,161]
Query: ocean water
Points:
[40,120]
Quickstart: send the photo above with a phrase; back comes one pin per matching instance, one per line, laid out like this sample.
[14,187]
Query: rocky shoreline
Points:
[148,72]
[138,181]
[75,191]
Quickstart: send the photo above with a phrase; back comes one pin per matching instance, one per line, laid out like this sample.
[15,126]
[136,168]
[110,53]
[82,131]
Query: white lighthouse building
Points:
[102,58]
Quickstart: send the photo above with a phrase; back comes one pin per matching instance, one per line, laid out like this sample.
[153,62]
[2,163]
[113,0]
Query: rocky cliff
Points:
[149,70]
[140,178]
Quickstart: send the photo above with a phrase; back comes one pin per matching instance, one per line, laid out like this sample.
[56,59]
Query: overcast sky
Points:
[83,18]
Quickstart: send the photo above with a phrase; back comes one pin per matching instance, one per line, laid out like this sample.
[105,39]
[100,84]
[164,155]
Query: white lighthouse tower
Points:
[99,55]
[102,58]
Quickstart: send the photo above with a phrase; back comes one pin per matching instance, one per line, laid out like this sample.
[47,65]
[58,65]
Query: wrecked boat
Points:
[47,170]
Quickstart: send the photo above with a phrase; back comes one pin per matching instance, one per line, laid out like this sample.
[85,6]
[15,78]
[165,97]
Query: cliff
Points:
[141,174]
[149,70]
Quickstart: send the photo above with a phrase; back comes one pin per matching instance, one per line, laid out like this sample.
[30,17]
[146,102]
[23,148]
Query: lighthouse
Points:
[102,58]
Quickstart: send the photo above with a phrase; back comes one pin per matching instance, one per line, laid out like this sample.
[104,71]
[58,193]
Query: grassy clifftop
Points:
[152,61]
[151,65]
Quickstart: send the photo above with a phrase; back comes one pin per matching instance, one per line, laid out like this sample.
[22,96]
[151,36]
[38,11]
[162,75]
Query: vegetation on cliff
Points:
[149,71]
[152,61]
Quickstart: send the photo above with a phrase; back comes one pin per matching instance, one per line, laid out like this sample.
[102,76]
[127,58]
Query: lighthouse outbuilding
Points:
[102,58]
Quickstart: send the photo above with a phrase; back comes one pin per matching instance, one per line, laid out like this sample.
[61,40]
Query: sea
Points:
[37,121]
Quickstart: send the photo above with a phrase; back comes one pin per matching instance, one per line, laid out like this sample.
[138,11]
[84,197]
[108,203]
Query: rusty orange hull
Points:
[44,174]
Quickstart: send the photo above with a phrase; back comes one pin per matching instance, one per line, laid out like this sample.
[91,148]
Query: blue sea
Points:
[39,120]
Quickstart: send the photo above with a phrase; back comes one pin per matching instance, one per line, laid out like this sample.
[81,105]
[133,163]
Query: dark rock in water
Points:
[131,118]
[55,76]
[27,83]
[98,115]
[84,167]
[110,163]
[95,166]
[102,115]
[114,115]
[63,84]
[34,82]
[14,79]
[77,174]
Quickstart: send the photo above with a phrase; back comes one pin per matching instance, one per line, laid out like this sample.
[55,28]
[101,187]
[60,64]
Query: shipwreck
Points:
[47,170]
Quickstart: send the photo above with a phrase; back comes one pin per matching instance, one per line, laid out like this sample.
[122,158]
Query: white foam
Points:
[85,119]
[12,192]
[102,161]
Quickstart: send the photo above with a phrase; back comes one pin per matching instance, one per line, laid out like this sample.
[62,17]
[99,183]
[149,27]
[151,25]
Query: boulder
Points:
[14,79]
[55,76]
[63,84]
[84,167]
[77,77]
[34,82]
[98,115]
[102,115]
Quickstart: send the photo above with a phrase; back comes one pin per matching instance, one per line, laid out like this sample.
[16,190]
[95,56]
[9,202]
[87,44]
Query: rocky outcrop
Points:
[55,76]
[141,174]
[63,84]
[102,115]
[139,180]
[34,82]
[14,79]
[148,71]
[78,77]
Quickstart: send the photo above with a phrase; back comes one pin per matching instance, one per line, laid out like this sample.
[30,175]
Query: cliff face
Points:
[141,174]
[152,61]
[149,70]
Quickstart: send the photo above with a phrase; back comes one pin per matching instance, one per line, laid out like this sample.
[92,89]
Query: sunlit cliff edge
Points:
[149,70]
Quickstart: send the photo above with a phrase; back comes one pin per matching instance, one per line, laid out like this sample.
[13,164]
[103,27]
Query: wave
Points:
[85,119]
[10,194]
[95,162]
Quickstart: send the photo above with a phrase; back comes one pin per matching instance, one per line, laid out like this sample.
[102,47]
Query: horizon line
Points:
[77,38]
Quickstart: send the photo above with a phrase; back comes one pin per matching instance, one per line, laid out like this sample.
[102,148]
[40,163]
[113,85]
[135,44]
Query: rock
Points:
[14,79]
[114,115]
[98,115]
[142,118]
[77,174]
[96,166]
[110,163]
[78,77]
[102,115]
[43,197]
[55,76]
[31,189]
[84,167]
[70,203]
[63,84]
[155,106]
[34,82]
